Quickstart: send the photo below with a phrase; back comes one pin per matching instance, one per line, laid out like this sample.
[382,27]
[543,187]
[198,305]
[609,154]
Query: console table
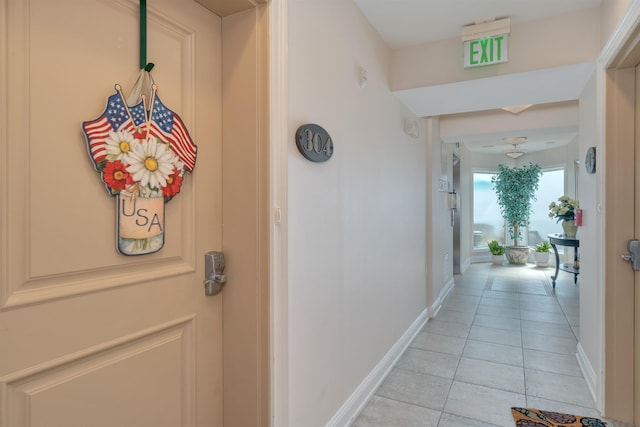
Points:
[561,240]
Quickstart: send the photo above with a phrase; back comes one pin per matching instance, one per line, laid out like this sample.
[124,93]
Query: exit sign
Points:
[486,51]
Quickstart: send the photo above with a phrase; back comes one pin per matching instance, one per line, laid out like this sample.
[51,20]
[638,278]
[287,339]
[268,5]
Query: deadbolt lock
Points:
[213,269]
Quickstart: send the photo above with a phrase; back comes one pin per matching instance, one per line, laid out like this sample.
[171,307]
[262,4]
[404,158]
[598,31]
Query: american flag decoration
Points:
[163,124]
[142,152]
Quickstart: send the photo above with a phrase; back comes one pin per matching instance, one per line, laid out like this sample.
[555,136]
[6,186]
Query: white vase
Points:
[497,259]
[570,228]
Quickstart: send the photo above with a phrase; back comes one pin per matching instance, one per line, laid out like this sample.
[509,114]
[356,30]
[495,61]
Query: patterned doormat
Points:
[529,417]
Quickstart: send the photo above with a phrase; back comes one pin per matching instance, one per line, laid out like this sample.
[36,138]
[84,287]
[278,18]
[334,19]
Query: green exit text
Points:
[486,51]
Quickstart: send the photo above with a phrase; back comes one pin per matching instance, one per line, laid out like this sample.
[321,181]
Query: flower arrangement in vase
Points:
[143,173]
[565,211]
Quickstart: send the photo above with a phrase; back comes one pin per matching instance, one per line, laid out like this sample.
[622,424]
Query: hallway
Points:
[502,338]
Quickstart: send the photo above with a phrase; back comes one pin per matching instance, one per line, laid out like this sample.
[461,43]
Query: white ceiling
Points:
[403,23]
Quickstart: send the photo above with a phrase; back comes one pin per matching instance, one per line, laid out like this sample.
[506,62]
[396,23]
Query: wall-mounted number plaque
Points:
[314,143]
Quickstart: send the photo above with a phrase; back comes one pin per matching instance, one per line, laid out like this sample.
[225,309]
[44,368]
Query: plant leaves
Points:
[516,190]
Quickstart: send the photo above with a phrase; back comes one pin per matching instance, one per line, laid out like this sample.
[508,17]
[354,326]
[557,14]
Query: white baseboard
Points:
[466,264]
[478,258]
[588,373]
[350,410]
[437,304]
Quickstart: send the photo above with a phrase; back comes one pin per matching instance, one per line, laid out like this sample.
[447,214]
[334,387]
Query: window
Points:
[487,220]
[551,187]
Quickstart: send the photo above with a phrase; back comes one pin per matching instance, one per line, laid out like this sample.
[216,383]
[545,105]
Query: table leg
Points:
[554,277]
[575,262]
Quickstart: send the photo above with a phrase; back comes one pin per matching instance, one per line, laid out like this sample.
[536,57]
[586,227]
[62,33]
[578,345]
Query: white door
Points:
[90,337]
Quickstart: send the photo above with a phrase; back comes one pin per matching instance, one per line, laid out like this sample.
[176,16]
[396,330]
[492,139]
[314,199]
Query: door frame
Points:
[279,119]
[615,78]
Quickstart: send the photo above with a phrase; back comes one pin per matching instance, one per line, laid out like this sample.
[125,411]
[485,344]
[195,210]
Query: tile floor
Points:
[502,338]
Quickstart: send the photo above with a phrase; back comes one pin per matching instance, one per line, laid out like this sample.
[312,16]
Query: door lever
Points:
[634,254]
[213,269]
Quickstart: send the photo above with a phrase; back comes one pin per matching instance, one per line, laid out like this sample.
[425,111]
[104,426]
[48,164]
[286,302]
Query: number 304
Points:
[312,141]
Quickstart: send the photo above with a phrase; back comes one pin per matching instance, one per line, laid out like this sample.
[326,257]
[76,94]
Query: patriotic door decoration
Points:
[142,152]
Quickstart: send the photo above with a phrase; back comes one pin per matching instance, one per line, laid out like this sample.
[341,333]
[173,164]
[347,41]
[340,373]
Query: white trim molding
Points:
[437,304]
[587,371]
[279,294]
[465,265]
[621,35]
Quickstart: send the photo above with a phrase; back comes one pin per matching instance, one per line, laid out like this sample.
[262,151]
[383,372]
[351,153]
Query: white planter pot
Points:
[542,259]
[517,254]
[497,259]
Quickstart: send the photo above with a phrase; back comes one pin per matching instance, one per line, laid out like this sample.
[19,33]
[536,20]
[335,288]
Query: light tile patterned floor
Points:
[503,338]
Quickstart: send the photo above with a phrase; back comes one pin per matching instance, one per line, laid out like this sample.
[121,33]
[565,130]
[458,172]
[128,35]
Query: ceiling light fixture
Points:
[515,140]
[517,109]
[515,153]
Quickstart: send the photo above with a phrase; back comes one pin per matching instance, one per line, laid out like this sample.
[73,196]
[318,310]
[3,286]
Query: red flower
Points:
[115,175]
[174,181]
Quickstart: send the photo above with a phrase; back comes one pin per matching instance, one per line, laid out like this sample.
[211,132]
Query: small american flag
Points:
[165,125]
[168,127]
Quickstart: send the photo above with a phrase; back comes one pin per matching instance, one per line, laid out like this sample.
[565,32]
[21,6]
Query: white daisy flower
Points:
[119,145]
[151,162]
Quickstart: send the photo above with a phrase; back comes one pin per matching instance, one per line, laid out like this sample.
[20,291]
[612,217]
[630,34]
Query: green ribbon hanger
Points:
[143,37]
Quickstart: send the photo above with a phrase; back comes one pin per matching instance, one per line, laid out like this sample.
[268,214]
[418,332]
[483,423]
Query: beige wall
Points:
[612,12]
[572,37]
[356,223]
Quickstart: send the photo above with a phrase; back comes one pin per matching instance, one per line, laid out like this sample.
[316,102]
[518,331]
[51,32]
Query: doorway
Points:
[456,216]
[618,187]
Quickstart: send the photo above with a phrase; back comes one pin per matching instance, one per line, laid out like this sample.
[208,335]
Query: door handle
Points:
[213,269]
[634,254]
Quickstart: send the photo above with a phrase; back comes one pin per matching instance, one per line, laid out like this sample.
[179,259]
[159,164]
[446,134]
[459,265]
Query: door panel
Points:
[90,336]
[50,392]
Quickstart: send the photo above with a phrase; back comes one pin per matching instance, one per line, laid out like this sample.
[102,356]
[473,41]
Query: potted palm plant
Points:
[541,254]
[497,252]
[516,189]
